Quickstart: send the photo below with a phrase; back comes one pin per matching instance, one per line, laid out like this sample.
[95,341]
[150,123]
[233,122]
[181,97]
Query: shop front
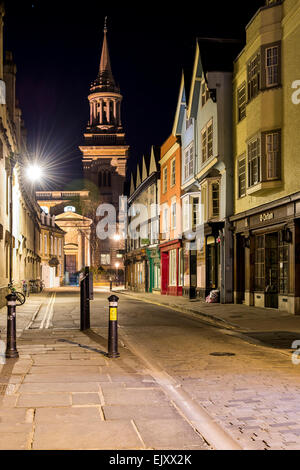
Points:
[267,252]
[154,277]
[136,268]
[171,268]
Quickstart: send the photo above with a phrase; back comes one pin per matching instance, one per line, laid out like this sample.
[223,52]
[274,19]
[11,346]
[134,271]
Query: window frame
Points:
[206,143]
[173,172]
[240,159]
[276,161]
[242,107]
[254,79]
[274,66]
[165,179]
[188,162]
[251,182]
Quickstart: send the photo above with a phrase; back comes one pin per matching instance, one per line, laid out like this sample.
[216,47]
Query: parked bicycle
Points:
[21,299]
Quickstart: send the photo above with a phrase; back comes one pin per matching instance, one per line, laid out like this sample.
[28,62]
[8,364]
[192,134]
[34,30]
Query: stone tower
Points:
[105,151]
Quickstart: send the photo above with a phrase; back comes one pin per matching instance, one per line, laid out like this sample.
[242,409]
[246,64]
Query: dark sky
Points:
[57,47]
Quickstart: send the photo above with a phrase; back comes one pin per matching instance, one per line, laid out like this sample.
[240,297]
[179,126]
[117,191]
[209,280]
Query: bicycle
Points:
[21,299]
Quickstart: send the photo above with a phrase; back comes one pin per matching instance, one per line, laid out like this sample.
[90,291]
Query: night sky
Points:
[57,47]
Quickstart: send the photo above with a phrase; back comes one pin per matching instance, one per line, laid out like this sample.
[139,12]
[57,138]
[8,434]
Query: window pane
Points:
[242,177]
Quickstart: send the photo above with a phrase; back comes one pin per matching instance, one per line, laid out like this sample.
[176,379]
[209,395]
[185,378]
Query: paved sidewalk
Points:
[63,393]
[270,327]
[25,312]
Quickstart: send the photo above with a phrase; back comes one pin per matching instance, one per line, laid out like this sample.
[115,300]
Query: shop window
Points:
[260,263]
[105,259]
[180,267]
[283,267]
[172,267]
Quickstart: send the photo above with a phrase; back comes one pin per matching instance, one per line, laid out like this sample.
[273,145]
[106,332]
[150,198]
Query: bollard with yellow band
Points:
[113,327]
[11,344]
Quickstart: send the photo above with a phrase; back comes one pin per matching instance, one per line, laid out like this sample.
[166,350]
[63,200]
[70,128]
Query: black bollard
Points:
[113,327]
[11,344]
[84,305]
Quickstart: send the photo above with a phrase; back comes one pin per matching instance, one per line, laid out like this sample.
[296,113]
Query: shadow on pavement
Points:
[275,339]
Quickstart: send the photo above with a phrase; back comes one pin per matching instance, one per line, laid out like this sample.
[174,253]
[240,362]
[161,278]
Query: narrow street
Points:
[180,383]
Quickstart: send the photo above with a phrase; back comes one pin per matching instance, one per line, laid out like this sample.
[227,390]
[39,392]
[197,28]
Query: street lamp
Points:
[34,172]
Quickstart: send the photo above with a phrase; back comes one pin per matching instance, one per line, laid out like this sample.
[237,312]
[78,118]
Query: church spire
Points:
[105,79]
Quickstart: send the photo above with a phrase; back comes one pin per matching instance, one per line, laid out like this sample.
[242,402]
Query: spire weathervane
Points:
[105,25]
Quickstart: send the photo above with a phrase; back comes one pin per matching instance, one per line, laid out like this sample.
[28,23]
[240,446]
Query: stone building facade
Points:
[266,116]
[19,212]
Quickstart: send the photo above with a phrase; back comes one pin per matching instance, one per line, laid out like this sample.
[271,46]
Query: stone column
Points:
[101,111]
[119,113]
[108,110]
[115,110]
[91,112]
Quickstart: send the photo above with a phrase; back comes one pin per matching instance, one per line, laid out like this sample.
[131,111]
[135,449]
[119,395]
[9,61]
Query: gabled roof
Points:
[154,159]
[211,55]
[184,90]
[132,186]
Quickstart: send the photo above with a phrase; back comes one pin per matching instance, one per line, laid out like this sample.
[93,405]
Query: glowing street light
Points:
[34,172]
[117,237]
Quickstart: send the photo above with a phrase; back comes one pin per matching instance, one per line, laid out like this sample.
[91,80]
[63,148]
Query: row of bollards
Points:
[86,294]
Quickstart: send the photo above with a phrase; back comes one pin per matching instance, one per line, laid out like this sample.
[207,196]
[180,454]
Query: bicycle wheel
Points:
[21,299]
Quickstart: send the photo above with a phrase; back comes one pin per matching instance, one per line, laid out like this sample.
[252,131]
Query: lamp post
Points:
[12,162]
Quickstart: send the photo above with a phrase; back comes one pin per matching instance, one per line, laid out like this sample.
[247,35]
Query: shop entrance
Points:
[271,270]
[212,264]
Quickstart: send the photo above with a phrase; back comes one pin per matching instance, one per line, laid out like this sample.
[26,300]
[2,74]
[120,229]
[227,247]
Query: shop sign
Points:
[266,217]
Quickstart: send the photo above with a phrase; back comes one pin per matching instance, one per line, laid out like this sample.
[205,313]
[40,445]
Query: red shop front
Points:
[171,255]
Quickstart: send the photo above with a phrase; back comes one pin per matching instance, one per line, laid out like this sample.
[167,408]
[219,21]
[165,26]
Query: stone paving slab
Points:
[35,400]
[37,387]
[87,436]
[169,433]
[14,440]
[71,378]
[138,397]
[141,412]
[66,415]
